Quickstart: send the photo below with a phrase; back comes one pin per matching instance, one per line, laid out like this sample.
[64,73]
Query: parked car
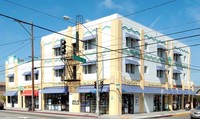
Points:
[1,106]
[195,113]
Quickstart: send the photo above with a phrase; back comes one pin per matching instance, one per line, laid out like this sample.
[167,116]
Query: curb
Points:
[38,112]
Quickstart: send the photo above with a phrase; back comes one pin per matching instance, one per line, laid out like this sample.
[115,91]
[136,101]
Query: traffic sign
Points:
[80,59]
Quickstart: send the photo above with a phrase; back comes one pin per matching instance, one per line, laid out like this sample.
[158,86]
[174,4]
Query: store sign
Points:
[75,102]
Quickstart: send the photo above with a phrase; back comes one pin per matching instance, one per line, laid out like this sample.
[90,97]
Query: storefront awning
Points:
[88,63]
[29,93]
[56,46]
[160,68]
[61,89]
[161,47]
[176,52]
[176,71]
[189,92]
[128,61]
[10,75]
[59,67]
[131,36]
[155,90]
[27,73]
[91,89]
[89,37]
[131,89]
[11,93]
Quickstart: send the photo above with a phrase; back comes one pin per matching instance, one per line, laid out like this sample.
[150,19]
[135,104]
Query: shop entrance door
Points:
[127,104]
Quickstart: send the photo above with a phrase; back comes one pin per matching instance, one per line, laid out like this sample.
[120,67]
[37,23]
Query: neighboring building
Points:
[140,73]
[2,90]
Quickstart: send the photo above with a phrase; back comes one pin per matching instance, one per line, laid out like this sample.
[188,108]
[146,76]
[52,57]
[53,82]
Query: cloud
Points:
[155,21]
[110,4]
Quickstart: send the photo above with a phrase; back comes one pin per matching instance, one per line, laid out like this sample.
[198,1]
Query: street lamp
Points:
[78,21]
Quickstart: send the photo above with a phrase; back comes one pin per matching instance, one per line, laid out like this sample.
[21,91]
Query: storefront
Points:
[177,100]
[28,98]
[88,99]
[56,98]
[127,103]
[12,98]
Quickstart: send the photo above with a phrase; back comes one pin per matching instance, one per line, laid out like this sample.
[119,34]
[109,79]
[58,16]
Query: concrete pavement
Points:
[105,116]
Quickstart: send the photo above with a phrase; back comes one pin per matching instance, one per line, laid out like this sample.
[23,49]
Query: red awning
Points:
[29,93]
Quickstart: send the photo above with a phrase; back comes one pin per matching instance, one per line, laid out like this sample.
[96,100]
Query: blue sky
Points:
[181,13]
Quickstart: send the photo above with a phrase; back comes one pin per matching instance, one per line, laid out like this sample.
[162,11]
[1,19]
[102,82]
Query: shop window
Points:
[89,44]
[59,72]
[27,77]
[130,68]
[11,79]
[160,73]
[9,98]
[131,43]
[57,51]
[89,69]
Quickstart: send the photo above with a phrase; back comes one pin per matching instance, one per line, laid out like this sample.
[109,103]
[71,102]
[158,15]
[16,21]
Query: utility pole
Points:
[32,70]
[97,81]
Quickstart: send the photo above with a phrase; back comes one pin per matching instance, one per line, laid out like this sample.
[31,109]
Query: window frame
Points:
[57,51]
[26,77]
[59,72]
[88,44]
[89,69]
[11,79]
[160,73]
[131,42]
[130,68]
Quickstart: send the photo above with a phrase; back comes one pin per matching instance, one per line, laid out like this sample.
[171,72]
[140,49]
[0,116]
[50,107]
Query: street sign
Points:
[80,59]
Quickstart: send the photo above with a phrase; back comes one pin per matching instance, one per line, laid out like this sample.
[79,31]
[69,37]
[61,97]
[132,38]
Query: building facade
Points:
[141,70]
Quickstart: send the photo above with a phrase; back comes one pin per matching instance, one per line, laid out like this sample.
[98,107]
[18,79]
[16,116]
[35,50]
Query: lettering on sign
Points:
[75,102]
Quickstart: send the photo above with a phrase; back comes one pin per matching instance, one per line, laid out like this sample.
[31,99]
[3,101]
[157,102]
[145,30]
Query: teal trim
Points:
[87,32]
[48,43]
[154,39]
[180,49]
[106,27]
[131,30]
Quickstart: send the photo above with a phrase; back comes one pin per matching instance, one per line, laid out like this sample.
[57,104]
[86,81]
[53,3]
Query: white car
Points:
[195,113]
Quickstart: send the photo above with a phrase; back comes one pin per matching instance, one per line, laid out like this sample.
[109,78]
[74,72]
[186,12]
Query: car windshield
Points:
[198,108]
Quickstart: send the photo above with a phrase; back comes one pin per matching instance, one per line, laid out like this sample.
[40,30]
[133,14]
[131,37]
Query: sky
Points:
[178,15]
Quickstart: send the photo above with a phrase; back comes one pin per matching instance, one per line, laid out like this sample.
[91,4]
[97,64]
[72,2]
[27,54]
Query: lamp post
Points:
[77,48]
[32,69]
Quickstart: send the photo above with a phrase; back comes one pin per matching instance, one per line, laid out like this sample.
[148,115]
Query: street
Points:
[4,114]
[185,116]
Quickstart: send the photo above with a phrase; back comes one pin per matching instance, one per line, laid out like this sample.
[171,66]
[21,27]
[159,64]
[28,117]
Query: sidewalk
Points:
[105,116]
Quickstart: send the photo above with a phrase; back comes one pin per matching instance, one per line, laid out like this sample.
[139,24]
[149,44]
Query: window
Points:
[27,77]
[176,57]
[130,68]
[36,76]
[89,69]
[130,42]
[9,98]
[145,46]
[175,76]
[160,52]
[184,77]
[89,44]
[185,59]
[145,69]
[160,73]
[59,72]
[57,51]
[11,79]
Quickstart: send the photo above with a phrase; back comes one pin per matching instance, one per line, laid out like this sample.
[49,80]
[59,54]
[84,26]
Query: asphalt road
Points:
[177,117]
[20,115]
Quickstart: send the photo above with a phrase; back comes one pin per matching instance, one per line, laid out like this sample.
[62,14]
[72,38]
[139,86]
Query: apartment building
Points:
[140,71]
